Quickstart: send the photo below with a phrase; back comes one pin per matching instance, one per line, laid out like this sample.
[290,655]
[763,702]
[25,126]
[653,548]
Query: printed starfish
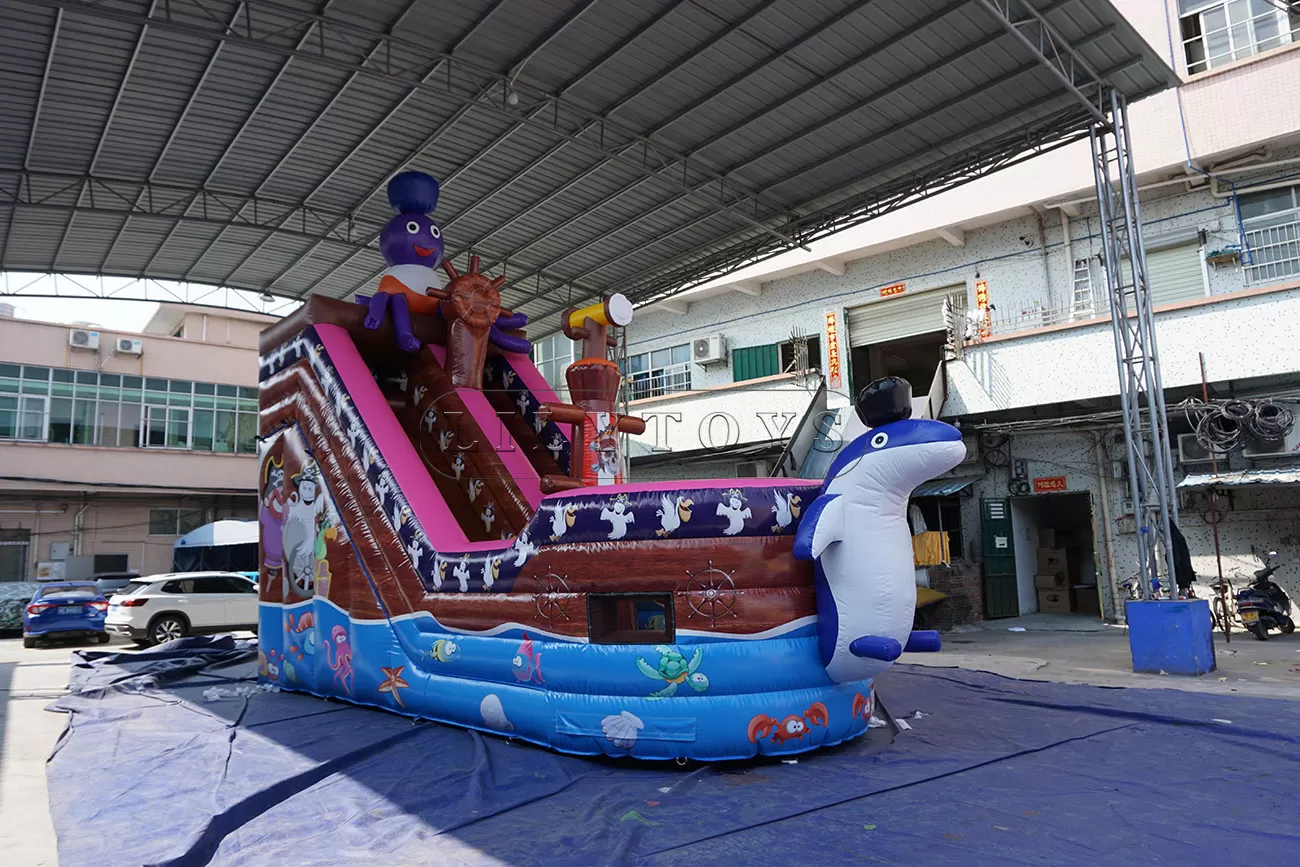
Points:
[393,682]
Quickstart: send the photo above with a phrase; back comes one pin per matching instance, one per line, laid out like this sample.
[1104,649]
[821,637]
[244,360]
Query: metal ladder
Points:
[1082,306]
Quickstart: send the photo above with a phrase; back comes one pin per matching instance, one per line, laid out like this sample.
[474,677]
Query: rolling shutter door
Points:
[901,316]
[1175,274]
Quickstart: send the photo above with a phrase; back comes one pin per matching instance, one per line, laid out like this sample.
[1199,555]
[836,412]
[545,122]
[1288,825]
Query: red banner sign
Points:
[1050,485]
[982,302]
[895,289]
[834,370]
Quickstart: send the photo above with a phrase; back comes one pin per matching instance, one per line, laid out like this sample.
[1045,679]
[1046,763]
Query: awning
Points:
[219,533]
[943,487]
[1281,477]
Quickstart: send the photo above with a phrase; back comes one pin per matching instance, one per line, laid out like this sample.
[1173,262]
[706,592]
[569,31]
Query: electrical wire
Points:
[1221,426]
[1270,421]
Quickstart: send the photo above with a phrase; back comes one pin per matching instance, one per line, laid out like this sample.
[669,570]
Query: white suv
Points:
[158,608]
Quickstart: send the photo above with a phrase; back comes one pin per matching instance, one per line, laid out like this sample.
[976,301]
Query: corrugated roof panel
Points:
[903,109]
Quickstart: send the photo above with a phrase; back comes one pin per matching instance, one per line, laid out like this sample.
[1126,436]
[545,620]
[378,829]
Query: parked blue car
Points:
[66,609]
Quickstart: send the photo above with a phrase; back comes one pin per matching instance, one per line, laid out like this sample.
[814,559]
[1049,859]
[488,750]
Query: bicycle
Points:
[1222,607]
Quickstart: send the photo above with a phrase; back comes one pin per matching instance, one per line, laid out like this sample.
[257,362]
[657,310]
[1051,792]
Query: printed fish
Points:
[444,650]
[527,665]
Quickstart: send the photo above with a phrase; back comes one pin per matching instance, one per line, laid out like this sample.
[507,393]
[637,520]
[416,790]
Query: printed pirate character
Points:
[305,505]
[608,465]
[271,515]
[619,515]
[733,508]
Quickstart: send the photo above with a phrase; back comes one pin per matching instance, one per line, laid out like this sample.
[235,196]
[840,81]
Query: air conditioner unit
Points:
[752,470]
[80,338]
[1190,451]
[1284,448]
[972,445]
[709,350]
[127,346]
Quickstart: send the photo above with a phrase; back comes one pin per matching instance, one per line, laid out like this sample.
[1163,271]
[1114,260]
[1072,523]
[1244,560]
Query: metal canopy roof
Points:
[584,146]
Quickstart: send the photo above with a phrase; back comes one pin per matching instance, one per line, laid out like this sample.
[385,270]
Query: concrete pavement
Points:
[1067,648]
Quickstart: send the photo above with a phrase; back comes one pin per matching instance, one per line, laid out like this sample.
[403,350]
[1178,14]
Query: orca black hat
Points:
[885,400]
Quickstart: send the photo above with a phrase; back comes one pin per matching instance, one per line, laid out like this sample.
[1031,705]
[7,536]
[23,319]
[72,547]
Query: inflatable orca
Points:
[857,532]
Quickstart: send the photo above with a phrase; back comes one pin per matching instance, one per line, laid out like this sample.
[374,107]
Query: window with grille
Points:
[659,372]
[1270,222]
[1216,32]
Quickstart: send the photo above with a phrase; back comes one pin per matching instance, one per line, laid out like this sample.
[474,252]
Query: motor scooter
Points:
[1263,605]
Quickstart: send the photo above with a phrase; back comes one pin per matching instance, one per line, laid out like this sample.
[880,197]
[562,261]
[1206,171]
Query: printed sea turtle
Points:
[674,669]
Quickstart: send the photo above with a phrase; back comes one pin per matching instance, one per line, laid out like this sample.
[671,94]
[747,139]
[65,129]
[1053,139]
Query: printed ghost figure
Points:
[523,549]
[556,445]
[461,573]
[619,517]
[733,508]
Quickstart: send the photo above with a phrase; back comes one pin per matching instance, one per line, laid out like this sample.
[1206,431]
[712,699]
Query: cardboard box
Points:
[1051,561]
[1054,601]
[1046,537]
[1050,582]
[1085,599]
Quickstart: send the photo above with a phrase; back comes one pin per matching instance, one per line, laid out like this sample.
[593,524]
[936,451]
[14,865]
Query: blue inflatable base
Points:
[174,757]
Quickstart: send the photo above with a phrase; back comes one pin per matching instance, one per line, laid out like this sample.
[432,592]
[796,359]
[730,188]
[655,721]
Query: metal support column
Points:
[1146,424]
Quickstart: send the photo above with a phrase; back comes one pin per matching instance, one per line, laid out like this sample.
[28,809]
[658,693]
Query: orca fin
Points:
[876,647]
[924,641]
[822,525]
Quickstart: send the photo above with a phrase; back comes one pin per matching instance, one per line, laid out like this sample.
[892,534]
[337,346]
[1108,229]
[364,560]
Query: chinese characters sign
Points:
[834,368]
[1050,485]
[982,302]
[894,289]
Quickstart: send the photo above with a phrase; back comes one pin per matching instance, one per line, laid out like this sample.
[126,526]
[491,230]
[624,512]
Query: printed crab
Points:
[674,669]
[793,727]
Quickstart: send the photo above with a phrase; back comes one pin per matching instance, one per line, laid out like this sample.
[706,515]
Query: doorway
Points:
[916,359]
[1056,554]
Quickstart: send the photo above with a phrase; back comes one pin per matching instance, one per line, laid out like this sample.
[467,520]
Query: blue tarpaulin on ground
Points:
[173,757]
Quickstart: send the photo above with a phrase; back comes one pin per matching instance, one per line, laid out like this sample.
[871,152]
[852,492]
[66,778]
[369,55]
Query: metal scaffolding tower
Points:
[1146,422]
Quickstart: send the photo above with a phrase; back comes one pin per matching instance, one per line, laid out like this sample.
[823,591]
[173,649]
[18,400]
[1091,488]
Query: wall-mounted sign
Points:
[834,361]
[895,289]
[1050,485]
[982,302]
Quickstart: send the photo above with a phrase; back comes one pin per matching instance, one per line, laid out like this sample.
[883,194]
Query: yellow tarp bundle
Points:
[930,548]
